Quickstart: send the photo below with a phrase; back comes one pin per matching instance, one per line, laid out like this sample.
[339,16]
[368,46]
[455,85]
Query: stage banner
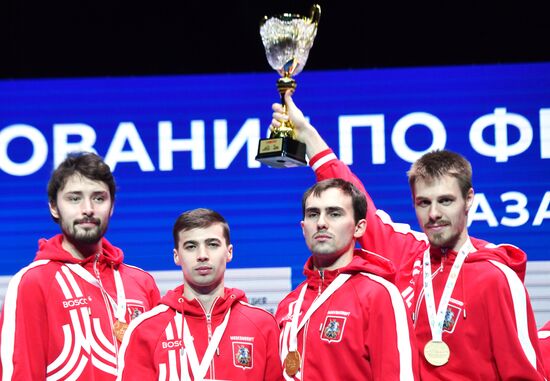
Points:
[182,142]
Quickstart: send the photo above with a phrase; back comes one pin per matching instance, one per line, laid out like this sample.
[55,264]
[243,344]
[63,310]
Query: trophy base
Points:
[282,153]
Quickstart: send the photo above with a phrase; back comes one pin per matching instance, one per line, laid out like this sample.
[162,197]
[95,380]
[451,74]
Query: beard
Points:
[80,235]
[444,240]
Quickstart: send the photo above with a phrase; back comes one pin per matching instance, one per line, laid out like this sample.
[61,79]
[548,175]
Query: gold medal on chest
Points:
[292,363]
[437,353]
[119,329]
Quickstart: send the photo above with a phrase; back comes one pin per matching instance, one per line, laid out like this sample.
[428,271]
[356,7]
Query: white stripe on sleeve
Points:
[7,341]
[133,324]
[323,160]
[399,227]
[402,328]
[519,301]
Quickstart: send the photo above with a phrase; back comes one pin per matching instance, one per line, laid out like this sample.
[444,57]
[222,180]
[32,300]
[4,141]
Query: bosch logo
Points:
[171,344]
[75,303]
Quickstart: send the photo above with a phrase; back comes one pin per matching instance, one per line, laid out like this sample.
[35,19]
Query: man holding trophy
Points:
[347,321]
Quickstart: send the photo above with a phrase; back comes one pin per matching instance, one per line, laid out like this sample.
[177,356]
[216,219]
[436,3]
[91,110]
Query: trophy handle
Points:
[315,14]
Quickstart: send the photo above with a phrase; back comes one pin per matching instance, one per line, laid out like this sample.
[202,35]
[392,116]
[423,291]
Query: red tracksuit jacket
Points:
[247,350]
[361,332]
[544,341]
[57,326]
[489,327]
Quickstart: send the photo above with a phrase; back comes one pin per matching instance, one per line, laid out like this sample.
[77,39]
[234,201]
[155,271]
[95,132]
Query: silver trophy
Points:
[287,39]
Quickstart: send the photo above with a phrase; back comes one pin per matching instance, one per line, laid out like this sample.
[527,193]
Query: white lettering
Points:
[74,302]
[167,145]
[486,213]
[242,338]
[544,120]
[249,134]
[62,147]
[71,137]
[378,144]
[436,127]
[127,132]
[543,212]
[501,150]
[519,208]
[39,151]
[171,344]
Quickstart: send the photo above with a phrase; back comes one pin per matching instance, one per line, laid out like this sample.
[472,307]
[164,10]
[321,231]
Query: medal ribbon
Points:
[436,319]
[119,307]
[294,326]
[199,370]
[184,376]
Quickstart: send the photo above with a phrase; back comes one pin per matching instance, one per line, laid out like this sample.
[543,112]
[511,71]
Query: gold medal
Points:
[292,363]
[437,353]
[119,329]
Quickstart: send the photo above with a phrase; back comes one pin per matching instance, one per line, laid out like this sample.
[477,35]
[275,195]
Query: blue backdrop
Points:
[182,142]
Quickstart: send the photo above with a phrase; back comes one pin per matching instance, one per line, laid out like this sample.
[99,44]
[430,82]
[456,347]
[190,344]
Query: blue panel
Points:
[263,204]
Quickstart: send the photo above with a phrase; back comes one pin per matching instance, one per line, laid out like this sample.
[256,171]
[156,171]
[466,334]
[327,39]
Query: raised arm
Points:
[392,240]
[305,132]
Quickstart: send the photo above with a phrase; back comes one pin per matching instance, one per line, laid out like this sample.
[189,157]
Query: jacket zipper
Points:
[208,316]
[322,276]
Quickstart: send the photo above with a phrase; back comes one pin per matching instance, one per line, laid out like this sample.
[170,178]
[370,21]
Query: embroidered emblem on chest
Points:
[134,310]
[333,328]
[451,317]
[243,355]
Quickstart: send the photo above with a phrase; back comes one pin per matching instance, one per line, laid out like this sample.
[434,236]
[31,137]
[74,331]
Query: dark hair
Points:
[199,219]
[87,164]
[436,164]
[358,199]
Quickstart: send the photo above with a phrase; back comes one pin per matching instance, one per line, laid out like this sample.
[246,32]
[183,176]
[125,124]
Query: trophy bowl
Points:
[287,40]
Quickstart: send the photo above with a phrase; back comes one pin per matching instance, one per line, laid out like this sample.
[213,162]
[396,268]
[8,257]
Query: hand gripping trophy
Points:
[287,39]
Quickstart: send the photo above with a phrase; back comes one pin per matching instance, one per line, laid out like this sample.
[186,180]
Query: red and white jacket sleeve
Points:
[24,336]
[390,339]
[136,358]
[512,327]
[273,367]
[383,236]
[544,343]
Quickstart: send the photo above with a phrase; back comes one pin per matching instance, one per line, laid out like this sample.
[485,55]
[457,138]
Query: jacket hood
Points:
[175,300]
[363,261]
[507,254]
[53,250]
